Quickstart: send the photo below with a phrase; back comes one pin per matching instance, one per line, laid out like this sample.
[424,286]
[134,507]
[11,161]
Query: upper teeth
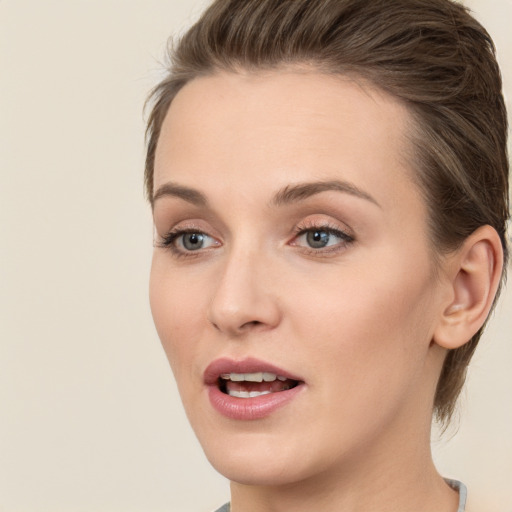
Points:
[253,377]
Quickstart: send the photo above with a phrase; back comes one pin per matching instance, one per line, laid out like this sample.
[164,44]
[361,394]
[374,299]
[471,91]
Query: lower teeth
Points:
[247,394]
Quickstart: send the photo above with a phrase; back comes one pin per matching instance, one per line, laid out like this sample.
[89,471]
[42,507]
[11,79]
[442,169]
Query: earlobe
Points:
[474,275]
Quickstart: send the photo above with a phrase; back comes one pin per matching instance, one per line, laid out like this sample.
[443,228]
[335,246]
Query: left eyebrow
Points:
[299,192]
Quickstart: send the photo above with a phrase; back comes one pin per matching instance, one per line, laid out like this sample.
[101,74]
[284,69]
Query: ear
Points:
[474,273]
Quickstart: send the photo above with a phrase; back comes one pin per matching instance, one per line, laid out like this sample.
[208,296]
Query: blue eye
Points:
[322,238]
[192,241]
[318,239]
[184,241]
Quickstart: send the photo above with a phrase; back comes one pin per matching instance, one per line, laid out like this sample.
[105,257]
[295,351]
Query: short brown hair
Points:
[431,54]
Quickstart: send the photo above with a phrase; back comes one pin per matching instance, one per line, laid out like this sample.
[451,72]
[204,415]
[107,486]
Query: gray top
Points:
[463,493]
[454,484]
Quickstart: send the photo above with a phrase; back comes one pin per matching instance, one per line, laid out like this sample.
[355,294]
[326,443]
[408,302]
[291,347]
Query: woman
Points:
[329,188]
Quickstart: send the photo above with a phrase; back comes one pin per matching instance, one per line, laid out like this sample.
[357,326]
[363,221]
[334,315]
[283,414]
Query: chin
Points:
[264,471]
[270,459]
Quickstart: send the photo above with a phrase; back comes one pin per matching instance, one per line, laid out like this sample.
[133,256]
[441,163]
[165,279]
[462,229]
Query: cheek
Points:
[176,309]
[369,328]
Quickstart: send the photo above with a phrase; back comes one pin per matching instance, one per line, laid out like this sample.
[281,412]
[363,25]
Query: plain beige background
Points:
[89,416]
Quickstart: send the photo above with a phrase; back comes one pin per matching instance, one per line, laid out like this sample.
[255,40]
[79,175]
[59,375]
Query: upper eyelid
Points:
[187,226]
[169,217]
[326,224]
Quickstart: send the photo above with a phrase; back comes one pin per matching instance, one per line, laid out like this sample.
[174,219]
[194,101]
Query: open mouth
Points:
[249,389]
[251,385]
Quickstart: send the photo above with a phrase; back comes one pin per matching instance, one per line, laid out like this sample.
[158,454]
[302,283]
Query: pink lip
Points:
[247,408]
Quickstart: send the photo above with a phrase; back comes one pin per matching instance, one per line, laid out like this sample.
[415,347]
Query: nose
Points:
[245,298]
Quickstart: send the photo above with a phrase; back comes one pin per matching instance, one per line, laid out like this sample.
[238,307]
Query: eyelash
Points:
[345,238]
[168,241]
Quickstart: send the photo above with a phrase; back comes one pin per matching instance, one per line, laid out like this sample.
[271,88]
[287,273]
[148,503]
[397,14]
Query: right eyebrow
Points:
[190,195]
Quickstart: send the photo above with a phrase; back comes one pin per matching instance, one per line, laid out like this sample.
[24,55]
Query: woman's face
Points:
[291,248]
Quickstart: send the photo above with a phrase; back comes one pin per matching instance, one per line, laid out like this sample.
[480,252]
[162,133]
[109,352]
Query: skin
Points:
[355,320]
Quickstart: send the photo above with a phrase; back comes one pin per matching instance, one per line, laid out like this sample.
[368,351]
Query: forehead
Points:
[284,126]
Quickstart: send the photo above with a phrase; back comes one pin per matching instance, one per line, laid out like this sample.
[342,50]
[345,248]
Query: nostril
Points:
[252,324]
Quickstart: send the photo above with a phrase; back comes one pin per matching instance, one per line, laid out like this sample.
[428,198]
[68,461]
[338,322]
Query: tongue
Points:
[273,387]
